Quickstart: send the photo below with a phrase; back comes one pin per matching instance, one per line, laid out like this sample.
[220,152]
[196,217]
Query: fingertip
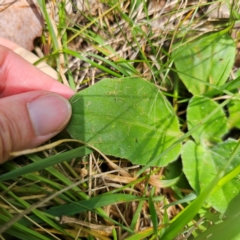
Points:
[62,90]
[18,76]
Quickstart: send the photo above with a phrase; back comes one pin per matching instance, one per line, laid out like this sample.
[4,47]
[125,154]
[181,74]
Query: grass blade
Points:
[47,162]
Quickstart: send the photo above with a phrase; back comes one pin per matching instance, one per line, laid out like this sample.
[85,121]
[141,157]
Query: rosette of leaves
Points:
[204,66]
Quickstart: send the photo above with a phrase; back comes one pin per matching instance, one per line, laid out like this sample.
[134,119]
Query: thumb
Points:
[29,119]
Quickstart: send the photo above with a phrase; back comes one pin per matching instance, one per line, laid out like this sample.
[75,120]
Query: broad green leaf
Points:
[234,113]
[201,164]
[212,130]
[208,59]
[127,118]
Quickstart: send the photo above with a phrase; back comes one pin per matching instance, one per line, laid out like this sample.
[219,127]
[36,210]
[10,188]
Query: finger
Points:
[9,44]
[17,76]
[30,57]
[30,119]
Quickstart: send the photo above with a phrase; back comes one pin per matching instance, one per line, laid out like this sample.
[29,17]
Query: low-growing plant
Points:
[164,161]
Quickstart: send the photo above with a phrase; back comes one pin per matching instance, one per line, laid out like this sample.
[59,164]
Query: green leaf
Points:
[195,161]
[208,59]
[234,113]
[212,130]
[127,118]
[201,164]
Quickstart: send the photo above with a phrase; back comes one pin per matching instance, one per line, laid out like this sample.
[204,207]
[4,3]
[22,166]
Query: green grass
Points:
[107,197]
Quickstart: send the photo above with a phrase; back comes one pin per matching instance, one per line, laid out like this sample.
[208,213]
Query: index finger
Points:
[18,76]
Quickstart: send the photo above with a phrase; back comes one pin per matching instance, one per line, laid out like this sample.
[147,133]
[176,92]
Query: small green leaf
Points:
[212,130]
[201,164]
[208,59]
[234,113]
[127,118]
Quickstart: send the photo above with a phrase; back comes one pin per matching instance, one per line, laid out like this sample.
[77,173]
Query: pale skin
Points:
[33,106]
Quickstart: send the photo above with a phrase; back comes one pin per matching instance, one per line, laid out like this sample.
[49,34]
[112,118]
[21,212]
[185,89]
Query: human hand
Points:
[33,106]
